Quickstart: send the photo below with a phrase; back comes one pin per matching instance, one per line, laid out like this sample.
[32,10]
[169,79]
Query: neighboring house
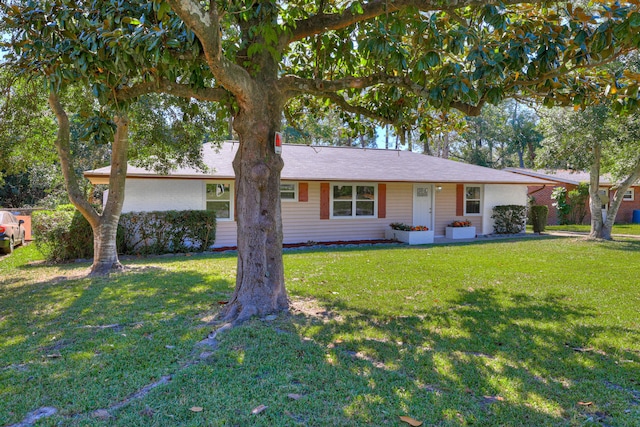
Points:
[570,180]
[336,194]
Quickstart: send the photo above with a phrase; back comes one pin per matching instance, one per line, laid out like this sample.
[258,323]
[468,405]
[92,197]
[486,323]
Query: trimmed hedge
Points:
[509,219]
[64,234]
[538,216]
[147,233]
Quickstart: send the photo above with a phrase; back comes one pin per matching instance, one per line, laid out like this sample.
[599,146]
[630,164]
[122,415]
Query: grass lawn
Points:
[536,332]
[629,229]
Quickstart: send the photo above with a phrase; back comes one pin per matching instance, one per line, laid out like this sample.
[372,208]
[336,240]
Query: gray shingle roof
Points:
[321,163]
[560,175]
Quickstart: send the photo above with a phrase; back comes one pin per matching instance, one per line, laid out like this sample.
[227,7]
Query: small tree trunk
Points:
[532,153]
[445,146]
[105,256]
[595,204]
[105,252]
[614,206]
[260,286]
[386,137]
[520,157]
[426,147]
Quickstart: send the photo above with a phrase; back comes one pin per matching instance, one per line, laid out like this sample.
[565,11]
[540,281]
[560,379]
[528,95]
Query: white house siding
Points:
[163,194]
[226,232]
[159,194]
[445,211]
[501,194]
[301,220]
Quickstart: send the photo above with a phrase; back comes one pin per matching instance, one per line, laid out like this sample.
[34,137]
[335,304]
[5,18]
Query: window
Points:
[472,200]
[628,195]
[289,192]
[350,201]
[219,199]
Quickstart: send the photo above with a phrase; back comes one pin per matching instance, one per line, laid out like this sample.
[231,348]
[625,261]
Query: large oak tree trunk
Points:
[260,286]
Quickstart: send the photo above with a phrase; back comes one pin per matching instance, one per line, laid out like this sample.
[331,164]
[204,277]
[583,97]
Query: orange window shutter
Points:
[303,192]
[460,200]
[324,200]
[382,200]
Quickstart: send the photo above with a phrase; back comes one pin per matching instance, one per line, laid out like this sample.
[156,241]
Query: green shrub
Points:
[509,219]
[538,215]
[571,205]
[64,234]
[51,233]
[577,199]
[559,195]
[81,241]
[147,233]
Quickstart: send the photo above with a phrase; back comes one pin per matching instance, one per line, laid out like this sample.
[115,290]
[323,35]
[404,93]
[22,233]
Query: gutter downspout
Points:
[539,189]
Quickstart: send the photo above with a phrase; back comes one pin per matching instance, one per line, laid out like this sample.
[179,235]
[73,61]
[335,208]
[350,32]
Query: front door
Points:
[423,205]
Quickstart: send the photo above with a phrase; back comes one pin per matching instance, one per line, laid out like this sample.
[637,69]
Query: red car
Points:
[11,232]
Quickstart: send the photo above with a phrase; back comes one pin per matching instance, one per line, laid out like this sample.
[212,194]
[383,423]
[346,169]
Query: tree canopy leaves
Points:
[381,58]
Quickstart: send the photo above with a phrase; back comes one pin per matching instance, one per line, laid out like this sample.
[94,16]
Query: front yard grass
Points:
[533,332]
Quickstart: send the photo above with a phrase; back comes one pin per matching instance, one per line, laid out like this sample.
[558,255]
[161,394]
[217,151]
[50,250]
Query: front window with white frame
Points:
[472,199]
[353,200]
[629,195]
[220,199]
[289,192]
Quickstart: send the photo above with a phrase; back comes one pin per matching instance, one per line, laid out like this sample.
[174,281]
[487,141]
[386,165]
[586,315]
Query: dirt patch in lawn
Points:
[310,307]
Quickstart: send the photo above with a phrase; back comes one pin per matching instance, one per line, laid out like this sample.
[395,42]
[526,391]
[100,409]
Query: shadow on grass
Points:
[622,244]
[487,358]
[82,344]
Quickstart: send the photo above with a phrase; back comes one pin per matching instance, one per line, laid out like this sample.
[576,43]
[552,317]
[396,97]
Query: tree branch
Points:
[296,84]
[206,26]
[63,146]
[321,22]
[293,83]
[171,88]
[631,178]
[342,103]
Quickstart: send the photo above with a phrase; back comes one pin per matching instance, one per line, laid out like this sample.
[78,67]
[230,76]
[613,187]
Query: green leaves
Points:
[432,59]
[478,54]
[356,8]
[103,44]
[634,19]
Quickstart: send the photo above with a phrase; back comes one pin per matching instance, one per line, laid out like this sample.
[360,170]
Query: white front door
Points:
[423,205]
